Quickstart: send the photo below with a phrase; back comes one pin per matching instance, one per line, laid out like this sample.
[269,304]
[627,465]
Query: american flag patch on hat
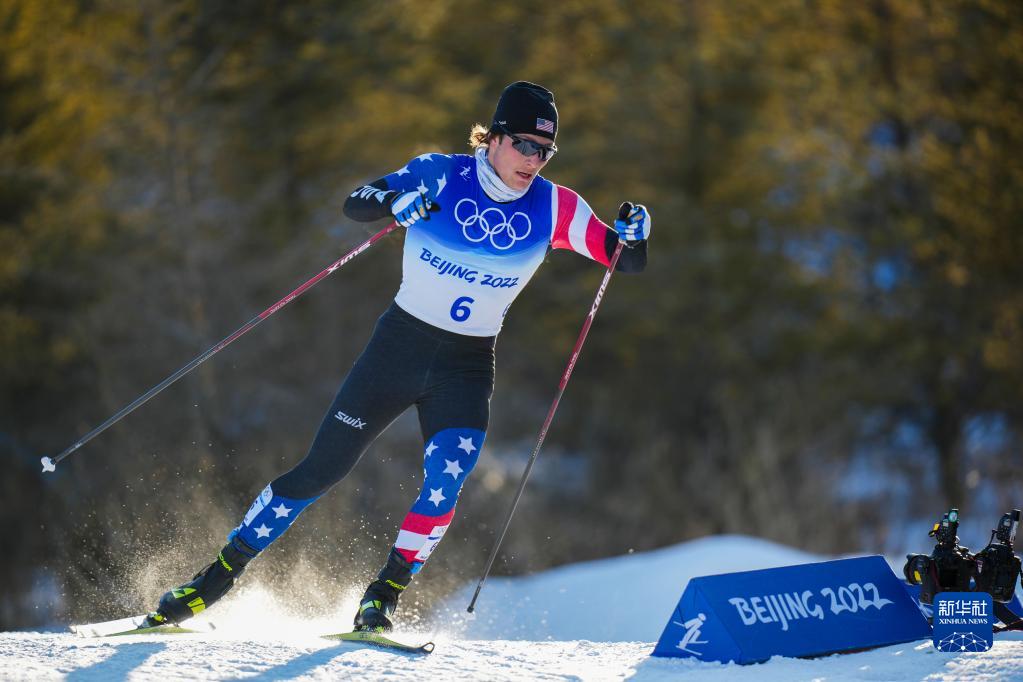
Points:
[545,125]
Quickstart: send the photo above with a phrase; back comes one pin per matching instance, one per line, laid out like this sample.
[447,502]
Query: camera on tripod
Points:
[951,567]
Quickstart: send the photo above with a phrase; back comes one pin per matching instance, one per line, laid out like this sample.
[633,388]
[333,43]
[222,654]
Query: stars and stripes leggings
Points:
[448,377]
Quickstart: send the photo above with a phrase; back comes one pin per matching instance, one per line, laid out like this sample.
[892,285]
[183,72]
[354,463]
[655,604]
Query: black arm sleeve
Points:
[370,202]
[633,258]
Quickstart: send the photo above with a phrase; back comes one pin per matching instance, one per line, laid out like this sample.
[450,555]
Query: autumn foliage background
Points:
[824,350]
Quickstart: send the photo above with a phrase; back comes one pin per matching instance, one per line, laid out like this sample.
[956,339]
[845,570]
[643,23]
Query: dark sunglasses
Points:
[528,147]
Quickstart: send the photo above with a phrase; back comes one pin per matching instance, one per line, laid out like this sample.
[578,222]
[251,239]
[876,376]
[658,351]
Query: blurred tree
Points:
[828,320]
[894,180]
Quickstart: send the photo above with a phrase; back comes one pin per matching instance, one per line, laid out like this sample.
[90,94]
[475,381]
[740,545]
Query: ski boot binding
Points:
[381,597]
[208,585]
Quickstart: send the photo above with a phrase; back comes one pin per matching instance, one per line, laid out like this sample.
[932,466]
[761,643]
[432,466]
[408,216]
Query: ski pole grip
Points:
[623,214]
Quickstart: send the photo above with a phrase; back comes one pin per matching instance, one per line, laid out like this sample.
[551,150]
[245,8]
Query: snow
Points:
[623,599]
[590,621]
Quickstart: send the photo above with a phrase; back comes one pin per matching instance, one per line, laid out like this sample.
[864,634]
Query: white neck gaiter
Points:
[492,183]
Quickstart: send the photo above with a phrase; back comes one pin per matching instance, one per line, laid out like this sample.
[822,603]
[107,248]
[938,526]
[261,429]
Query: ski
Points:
[134,626]
[375,639]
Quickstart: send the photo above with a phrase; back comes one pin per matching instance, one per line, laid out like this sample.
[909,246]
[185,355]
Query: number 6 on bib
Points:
[460,308]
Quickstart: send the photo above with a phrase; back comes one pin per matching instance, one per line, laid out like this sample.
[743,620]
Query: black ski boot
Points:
[208,585]
[381,598]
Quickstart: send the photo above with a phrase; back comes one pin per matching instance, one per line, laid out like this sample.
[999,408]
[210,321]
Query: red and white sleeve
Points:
[575,226]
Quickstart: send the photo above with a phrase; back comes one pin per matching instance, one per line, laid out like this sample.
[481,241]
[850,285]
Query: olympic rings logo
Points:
[492,223]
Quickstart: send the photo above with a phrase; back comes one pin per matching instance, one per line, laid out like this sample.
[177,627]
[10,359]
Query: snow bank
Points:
[590,621]
[623,599]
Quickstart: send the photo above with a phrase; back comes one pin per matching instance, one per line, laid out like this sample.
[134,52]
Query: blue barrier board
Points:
[805,610]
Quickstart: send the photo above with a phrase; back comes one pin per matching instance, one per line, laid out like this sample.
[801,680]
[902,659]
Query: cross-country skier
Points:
[478,227]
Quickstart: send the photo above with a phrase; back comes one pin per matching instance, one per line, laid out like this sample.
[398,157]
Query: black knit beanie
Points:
[527,108]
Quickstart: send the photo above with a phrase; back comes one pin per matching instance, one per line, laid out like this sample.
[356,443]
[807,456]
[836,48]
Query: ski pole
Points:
[51,464]
[623,212]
